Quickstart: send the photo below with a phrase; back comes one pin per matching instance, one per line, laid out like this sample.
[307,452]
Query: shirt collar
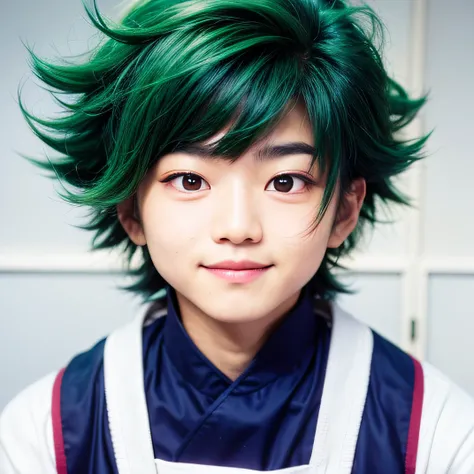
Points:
[292,342]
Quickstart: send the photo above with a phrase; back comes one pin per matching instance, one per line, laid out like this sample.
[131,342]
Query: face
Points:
[196,212]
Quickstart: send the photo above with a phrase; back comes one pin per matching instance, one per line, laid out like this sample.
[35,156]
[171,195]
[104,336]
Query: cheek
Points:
[170,233]
[292,226]
[171,226]
[297,247]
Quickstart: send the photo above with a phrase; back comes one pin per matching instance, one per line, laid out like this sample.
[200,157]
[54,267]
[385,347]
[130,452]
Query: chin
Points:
[237,314]
[238,318]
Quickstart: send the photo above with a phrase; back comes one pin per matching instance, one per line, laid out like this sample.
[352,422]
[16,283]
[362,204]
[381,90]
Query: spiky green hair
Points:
[175,72]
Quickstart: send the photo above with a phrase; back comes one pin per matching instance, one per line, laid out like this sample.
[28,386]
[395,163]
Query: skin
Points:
[238,211]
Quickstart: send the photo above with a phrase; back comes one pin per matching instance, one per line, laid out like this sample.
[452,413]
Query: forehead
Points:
[294,125]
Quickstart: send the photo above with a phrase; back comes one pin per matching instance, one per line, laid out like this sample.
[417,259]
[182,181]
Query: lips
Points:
[236,266]
[238,272]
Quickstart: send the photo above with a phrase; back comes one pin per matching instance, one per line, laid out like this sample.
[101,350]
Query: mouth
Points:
[238,276]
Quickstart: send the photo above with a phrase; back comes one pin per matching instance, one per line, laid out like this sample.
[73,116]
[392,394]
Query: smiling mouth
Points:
[238,276]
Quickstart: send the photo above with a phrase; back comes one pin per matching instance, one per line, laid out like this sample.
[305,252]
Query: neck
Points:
[230,347]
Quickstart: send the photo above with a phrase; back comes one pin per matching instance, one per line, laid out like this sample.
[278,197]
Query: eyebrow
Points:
[265,153]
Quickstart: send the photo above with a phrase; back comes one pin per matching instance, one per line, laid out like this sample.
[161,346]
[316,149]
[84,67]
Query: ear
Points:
[348,213]
[127,214]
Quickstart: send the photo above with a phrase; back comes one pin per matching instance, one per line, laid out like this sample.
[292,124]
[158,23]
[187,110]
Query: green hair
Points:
[176,72]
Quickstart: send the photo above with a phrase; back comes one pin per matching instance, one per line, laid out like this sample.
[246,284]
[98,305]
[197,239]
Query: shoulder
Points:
[27,441]
[446,429]
[447,426]
[27,437]
[26,433]
[26,424]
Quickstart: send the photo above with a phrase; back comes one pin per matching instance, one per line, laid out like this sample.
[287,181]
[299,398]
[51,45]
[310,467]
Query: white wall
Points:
[448,220]
[55,300]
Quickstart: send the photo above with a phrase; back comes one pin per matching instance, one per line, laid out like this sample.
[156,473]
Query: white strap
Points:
[126,402]
[344,395]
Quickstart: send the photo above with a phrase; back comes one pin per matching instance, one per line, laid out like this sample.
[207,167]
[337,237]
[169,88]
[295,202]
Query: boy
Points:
[238,148]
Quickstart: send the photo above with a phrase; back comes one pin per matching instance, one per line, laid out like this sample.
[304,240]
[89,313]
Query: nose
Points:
[236,217]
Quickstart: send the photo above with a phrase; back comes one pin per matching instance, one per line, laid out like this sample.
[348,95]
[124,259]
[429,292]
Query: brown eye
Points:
[283,184]
[187,182]
[191,182]
[286,183]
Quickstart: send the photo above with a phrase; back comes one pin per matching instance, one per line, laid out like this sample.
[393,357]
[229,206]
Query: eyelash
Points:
[308,181]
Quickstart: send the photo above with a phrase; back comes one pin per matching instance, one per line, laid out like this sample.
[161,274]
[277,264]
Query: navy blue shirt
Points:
[264,420]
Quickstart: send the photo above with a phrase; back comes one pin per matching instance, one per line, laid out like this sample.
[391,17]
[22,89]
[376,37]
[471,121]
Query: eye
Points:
[285,183]
[186,182]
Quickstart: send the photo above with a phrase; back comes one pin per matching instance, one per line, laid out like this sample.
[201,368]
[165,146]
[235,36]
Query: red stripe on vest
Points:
[61,465]
[415,419]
